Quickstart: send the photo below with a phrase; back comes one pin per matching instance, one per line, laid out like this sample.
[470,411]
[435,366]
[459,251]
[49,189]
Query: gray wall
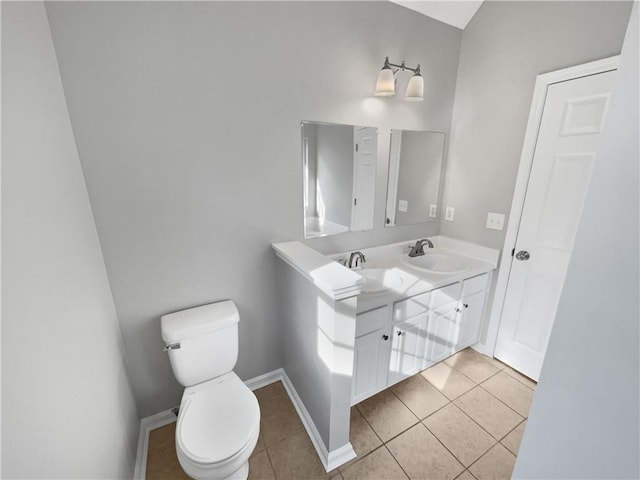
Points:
[504,47]
[584,418]
[67,408]
[335,172]
[187,120]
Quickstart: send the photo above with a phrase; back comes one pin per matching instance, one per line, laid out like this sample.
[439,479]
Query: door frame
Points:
[543,82]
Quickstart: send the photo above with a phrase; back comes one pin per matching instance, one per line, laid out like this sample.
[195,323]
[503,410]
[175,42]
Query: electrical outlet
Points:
[433,210]
[495,221]
[448,214]
[403,206]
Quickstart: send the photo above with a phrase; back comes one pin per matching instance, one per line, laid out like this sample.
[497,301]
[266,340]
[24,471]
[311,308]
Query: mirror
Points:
[415,170]
[339,168]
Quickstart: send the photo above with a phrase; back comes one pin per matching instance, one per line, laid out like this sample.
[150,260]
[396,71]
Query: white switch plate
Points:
[403,206]
[433,210]
[448,214]
[495,221]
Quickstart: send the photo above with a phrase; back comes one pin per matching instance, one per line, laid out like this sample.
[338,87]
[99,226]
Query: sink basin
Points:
[435,262]
[378,280]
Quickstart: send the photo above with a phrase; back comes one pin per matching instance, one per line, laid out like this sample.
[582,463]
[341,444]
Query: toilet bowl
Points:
[219,417]
[218,428]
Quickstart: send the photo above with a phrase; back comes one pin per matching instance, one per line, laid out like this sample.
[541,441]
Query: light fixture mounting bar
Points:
[402,66]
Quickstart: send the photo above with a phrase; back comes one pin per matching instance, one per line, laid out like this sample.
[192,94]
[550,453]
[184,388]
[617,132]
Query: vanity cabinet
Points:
[371,354]
[421,330]
[471,309]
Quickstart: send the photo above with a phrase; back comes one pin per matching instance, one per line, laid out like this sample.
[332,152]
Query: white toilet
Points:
[219,418]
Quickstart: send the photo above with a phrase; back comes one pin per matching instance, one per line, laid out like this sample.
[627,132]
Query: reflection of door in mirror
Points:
[339,168]
[415,169]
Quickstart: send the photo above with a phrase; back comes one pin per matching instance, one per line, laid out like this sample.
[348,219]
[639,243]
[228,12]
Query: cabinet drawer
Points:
[475,284]
[411,307]
[372,320]
[445,295]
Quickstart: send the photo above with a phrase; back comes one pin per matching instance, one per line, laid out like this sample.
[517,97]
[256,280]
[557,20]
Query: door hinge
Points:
[513,251]
[355,201]
[356,147]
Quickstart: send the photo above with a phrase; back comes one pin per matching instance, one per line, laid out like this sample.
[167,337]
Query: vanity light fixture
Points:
[386,83]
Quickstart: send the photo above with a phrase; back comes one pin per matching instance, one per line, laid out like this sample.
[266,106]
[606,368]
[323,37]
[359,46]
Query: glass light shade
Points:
[415,89]
[386,84]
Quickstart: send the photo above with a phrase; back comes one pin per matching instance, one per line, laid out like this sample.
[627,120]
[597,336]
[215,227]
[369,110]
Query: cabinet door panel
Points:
[469,320]
[440,331]
[407,348]
[371,354]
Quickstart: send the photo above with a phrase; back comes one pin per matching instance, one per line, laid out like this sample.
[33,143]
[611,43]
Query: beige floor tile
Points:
[379,465]
[387,415]
[361,435]
[420,396]
[336,475]
[421,455]
[447,380]
[278,417]
[294,458]
[489,412]
[260,466]
[513,439]
[461,435]
[466,475]
[493,361]
[496,464]
[511,392]
[472,365]
[162,460]
[260,445]
[521,378]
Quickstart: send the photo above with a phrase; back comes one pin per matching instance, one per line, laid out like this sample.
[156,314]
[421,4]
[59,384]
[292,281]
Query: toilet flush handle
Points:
[173,346]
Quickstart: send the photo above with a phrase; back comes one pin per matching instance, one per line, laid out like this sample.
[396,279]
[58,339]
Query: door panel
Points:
[565,153]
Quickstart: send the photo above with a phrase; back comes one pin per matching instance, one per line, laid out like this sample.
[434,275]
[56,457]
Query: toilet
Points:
[219,418]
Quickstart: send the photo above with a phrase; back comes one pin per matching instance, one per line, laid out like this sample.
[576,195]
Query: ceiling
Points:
[453,12]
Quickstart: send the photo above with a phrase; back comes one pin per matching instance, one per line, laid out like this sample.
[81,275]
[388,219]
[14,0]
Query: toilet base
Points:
[241,474]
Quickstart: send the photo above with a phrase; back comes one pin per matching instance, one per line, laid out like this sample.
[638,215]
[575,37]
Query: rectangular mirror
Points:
[339,168]
[415,170]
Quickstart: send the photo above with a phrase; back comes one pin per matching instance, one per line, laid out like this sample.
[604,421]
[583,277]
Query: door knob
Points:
[523,255]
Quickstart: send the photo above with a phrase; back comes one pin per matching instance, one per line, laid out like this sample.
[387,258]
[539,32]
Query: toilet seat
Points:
[219,421]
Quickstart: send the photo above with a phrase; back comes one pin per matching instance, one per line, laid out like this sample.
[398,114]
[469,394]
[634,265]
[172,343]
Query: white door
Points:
[364,177]
[407,348]
[370,364]
[565,152]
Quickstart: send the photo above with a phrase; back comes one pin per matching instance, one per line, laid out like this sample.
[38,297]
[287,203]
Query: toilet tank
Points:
[202,342]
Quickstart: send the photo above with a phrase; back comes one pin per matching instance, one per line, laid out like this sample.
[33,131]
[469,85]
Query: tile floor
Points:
[460,419]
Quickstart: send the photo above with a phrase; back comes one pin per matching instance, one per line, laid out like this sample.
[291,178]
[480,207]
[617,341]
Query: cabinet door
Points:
[441,327]
[371,356]
[407,348]
[469,320]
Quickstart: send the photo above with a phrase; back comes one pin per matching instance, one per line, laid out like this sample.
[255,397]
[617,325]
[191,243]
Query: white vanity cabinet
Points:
[471,309]
[392,344]
[371,353]
[408,337]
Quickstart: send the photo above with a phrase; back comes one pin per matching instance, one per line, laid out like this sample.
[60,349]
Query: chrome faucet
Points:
[418,248]
[355,258]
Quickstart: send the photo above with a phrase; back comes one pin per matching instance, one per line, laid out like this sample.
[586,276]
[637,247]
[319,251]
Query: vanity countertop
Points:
[408,280]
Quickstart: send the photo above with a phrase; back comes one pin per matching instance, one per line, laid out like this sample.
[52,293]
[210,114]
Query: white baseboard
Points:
[330,460]
[146,425]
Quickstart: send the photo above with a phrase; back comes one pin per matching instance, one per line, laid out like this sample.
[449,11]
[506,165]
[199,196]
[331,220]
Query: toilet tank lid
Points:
[198,320]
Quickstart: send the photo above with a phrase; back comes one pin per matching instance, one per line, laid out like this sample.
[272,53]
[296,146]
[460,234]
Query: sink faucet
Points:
[355,258]
[418,248]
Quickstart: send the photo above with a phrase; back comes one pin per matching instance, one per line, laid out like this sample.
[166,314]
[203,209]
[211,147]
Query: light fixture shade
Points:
[415,89]
[386,84]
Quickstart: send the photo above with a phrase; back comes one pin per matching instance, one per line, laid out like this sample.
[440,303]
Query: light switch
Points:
[495,221]
[403,206]
[448,214]
[433,210]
